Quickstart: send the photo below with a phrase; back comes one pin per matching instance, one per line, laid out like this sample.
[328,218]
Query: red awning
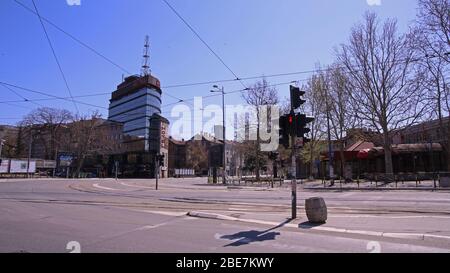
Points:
[363,154]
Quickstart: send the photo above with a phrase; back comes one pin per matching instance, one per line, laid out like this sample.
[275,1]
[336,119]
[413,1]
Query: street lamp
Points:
[222,90]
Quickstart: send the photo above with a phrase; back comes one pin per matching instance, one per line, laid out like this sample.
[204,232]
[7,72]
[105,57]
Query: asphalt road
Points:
[130,216]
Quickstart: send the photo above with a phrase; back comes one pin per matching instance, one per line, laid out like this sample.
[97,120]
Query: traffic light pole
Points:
[296,126]
[294,174]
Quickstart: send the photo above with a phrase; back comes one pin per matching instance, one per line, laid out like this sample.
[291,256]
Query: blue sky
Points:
[254,37]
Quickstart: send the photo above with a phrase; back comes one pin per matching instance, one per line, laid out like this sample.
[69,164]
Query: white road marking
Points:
[390,217]
[167,213]
[135,186]
[104,188]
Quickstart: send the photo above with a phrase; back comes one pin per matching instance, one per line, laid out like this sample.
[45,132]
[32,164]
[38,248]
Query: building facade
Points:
[136,100]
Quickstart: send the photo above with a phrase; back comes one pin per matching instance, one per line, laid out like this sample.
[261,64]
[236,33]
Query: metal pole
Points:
[156,171]
[432,162]
[330,147]
[56,162]
[294,170]
[116,167]
[223,132]
[29,153]
[273,172]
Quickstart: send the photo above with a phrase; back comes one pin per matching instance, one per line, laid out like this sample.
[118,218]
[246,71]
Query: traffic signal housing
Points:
[296,97]
[301,129]
[294,124]
[301,122]
[160,160]
[285,130]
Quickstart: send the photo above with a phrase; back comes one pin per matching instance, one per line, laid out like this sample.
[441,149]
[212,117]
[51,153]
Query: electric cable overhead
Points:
[50,95]
[74,38]
[204,42]
[24,99]
[56,57]
[80,42]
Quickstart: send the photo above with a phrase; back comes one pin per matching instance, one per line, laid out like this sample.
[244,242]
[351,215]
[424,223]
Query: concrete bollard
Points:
[316,210]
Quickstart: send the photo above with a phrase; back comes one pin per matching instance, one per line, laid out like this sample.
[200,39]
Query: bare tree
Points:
[434,20]
[381,70]
[83,137]
[258,95]
[340,108]
[432,43]
[50,122]
[314,106]
[196,155]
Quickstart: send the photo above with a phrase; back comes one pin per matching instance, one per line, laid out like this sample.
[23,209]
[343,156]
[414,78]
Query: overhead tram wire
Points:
[80,42]
[69,99]
[56,57]
[102,107]
[74,38]
[52,97]
[226,93]
[170,86]
[204,42]
[24,99]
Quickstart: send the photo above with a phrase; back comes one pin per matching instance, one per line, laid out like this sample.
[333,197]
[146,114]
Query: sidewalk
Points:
[401,226]
[363,185]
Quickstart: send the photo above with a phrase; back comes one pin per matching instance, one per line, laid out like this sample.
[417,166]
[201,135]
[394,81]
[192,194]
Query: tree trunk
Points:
[389,169]
[80,165]
[341,153]
[447,146]
[311,163]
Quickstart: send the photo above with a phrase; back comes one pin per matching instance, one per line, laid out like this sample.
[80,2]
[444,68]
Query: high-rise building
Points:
[136,100]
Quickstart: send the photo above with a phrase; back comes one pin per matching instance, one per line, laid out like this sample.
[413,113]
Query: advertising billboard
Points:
[21,166]
[65,159]
[4,166]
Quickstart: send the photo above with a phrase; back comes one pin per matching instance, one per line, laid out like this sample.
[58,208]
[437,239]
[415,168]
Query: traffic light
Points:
[296,97]
[294,124]
[301,121]
[160,160]
[285,130]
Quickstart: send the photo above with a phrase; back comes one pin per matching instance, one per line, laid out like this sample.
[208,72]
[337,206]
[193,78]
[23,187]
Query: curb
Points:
[206,215]
[397,235]
[375,189]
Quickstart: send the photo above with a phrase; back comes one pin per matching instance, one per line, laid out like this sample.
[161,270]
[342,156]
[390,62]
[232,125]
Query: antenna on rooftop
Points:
[145,65]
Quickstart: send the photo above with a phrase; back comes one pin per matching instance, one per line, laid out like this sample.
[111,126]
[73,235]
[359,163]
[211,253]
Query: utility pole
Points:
[56,162]
[222,90]
[294,171]
[292,126]
[330,147]
[156,170]
[116,168]
[29,152]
